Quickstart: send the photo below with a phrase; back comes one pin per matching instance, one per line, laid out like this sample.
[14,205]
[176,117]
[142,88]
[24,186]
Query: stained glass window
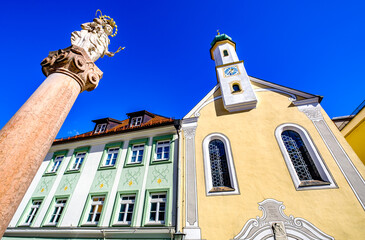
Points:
[218,164]
[300,157]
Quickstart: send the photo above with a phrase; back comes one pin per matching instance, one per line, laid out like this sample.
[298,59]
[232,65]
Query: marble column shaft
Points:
[26,138]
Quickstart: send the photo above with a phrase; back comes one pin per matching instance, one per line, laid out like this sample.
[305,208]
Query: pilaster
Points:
[353,177]
[191,228]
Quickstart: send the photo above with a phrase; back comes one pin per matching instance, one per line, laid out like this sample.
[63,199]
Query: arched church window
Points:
[218,164]
[305,164]
[220,176]
[225,53]
[300,157]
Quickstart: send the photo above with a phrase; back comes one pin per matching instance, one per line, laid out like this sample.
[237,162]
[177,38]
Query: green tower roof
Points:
[221,37]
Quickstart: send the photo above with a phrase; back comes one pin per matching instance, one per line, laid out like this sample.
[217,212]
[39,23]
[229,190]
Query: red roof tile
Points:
[156,121]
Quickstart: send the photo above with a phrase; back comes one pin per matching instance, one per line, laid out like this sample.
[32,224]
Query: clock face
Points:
[230,71]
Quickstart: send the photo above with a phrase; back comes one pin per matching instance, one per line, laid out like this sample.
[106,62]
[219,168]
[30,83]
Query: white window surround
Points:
[96,207]
[58,210]
[317,159]
[111,157]
[128,201]
[32,212]
[56,163]
[79,160]
[100,128]
[136,155]
[207,167]
[159,200]
[162,149]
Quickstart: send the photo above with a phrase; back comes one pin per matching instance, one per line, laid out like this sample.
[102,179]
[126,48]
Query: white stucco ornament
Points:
[94,37]
[274,224]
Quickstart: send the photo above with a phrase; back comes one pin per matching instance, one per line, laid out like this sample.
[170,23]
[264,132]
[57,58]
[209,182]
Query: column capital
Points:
[74,62]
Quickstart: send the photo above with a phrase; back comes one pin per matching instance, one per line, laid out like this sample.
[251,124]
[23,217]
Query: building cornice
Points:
[92,232]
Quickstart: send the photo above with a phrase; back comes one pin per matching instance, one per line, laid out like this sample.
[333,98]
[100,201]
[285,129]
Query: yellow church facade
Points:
[264,161]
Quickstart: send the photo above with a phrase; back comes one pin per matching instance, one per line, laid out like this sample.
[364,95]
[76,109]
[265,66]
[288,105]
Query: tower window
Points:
[225,53]
[236,87]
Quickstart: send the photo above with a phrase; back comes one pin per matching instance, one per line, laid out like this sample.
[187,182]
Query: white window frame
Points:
[76,164]
[114,150]
[158,201]
[317,159]
[136,121]
[139,147]
[59,206]
[208,170]
[96,204]
[56,163]
[100,128]
[32,212]
[162,144]
[127,202]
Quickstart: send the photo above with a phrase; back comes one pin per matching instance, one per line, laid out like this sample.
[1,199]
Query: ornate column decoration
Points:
[191,228]
[353,177]
[27,137]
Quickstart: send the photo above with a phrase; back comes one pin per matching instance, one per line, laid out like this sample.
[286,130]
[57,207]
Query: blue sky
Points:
[313,46]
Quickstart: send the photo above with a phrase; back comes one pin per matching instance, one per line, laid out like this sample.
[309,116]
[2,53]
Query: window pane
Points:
[300,157]
[153,206]
[121,217]
[218,164]
[161,216]
[153,216]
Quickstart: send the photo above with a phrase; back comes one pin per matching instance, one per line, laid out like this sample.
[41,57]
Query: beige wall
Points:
[262,173]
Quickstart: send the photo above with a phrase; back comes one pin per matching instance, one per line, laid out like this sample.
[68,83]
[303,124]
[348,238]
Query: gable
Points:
[259,85]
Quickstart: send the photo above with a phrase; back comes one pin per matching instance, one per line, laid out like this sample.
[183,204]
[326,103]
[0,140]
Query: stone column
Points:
[27,137]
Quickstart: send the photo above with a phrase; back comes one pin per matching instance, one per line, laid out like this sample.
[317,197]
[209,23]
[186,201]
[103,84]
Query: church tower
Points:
[237,92]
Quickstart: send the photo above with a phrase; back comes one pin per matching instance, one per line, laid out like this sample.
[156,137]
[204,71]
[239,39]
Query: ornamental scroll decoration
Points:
[313,111]
[74,62]
[189,133]
[275,224]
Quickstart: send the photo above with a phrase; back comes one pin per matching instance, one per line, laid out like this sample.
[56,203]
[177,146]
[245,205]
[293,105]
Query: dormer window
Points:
[225,53]
[100,128]
[136,121]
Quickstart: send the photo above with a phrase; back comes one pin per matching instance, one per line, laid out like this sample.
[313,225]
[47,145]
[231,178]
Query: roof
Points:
[221,37]
[123,127]
[106,120]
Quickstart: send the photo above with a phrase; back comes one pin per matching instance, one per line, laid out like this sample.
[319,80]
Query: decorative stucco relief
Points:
[160,174]
[103,180]
[132,176]
[274,224]
[313,111]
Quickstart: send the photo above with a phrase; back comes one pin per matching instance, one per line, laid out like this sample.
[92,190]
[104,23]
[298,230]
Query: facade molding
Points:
[292,96]
[191,228]
[279,87]
[274,224]
[91,232]
[352,175]
[199,105]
